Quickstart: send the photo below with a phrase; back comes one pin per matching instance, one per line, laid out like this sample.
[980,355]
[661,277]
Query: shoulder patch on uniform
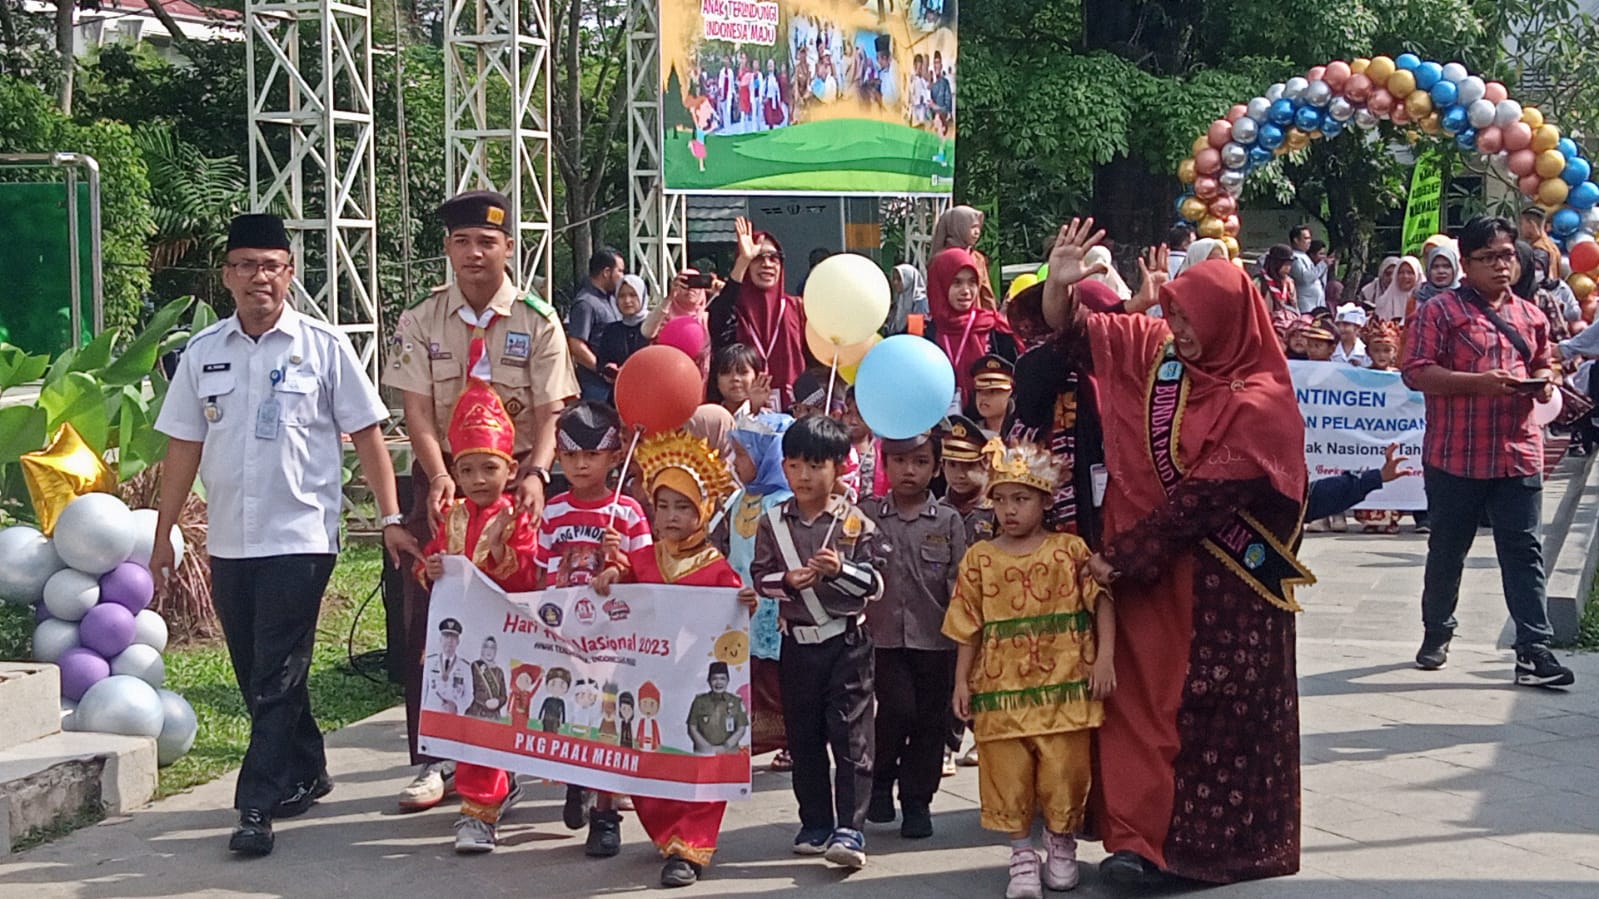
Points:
[539,304]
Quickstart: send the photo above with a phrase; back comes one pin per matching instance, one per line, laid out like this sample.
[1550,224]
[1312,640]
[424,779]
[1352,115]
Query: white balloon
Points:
[846,298]
[1546,411]
[1340,109]
[1294,87]
[1480,113]
[1233,155]
[1275,92]
[1245,130]
[1365,118]
[95,533]
[178,728]
[150,629]
[121,704]
[1454,71]
[52,637]
[1231,180]
[1258,109]
[141,661]
[29,559]
[70,594]
[1507,113]
[1470,90]
[1590,220]
[1317,93]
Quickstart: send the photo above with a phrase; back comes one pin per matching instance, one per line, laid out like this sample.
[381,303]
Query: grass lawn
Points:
[203,675]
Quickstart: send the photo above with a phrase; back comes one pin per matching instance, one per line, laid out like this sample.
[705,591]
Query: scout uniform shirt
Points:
[269,412]
[921,554]
[524,343]
[716,716]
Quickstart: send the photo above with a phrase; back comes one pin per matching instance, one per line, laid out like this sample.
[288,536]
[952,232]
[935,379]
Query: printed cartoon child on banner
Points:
[645,692]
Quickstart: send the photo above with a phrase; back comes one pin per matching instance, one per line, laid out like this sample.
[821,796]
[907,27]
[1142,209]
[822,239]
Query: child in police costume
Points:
[686,484]
[993,402]
[819,556]
[485,527]
[965,479]
[1036,641]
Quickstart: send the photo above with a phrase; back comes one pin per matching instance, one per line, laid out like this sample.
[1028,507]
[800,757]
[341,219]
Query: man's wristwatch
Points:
[389,521]
[542,472]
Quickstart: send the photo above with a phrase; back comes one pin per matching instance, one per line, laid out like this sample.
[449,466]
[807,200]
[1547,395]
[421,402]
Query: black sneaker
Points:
[1536,666]
[1129,869]
[575,813]
[1434,652]
[605,834]
[881,809]
[253,835]
[918,823]
[305,794]
[679,872]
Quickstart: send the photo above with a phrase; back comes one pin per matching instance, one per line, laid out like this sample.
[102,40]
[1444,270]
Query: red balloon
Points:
[658,389]
[1207,161]
[1529,184]
[1337,75]
[1518,136]
[1491,139]
[1381,103]
[1523,162]
[1223,206]
[1358,88]
[1585,256]
[1238,111]
[1494,92]
[1221,131]
[1205,187]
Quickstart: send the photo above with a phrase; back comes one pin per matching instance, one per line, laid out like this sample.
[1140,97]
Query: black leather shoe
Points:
[253,835]
[305,795]
[1129,868]
[605,834]
[881,808]
[679,872]
[575,811]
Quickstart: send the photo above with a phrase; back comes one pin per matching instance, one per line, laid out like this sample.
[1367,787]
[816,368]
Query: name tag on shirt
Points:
[216,366]
[267,417]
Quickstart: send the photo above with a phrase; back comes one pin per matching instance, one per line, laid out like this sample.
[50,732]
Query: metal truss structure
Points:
[657,221]
[309,70]
[497,115]
[919,228]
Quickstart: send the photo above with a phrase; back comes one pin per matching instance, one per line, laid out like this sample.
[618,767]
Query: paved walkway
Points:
[1448,783]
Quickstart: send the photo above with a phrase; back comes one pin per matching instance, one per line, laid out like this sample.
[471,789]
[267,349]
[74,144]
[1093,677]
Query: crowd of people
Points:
[1090,564]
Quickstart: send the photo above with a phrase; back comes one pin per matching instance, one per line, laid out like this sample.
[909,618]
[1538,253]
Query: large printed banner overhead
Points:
[645,692]
[1351,416]
[808,96]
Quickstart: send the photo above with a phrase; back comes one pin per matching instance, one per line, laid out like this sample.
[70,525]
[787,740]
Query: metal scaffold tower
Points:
[497,114]
[309,70]
[657,220]
[919,229]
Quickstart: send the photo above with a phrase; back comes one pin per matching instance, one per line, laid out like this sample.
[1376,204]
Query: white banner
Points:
[644,692]
[1352,415]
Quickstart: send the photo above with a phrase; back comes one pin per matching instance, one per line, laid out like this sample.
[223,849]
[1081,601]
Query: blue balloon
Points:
[1428,74]
[1584,196]
[1308,118]
[1331,127]
[1577,171]
[904,386]
[1181,198]
[1270,137]
[1444,93]
[1259,156]
[1281,113]
[1566,222]
[1455,119]
[1567,148]
[1407,62]
[1467,139]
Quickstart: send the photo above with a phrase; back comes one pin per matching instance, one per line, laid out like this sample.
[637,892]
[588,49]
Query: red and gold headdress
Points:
[680,461]
[480,424]
[1378,331]
[1025,463]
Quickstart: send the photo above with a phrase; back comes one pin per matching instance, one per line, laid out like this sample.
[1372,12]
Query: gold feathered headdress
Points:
[680,461]
[1025,463]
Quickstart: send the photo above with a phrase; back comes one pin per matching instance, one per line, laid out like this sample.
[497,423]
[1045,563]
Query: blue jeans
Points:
[1455,506]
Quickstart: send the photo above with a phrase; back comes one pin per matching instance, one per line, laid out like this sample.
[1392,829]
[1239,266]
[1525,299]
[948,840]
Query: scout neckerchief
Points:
[477,355]
[1243,544]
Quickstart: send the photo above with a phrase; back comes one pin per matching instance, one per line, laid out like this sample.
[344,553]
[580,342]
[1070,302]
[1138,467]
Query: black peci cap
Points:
[258,231]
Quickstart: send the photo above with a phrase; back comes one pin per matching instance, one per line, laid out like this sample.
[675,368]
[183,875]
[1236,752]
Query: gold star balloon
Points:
[62,472]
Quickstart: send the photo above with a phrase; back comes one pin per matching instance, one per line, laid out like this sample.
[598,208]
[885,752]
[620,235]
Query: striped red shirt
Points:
[570,534]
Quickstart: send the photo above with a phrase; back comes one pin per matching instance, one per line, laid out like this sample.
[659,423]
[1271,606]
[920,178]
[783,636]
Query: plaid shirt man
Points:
[1472,436]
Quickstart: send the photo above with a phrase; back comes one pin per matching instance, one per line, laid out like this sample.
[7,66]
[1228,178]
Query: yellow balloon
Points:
[1553,192]
[1532,117]
[1359,66]
[846,299]
[61,472]
[1214,228]
[1418,104]
[1581,285]
[1401,84]
[1545,137]
[1430,124]
[1186,173]
[1551,163]
[1232,246]
[1296,140]
[826,351]
[1022,282]
[1380,69]
[1200,144]
[1193,209]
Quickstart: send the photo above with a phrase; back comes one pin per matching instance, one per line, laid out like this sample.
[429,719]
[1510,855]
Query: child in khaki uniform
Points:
[1036,641]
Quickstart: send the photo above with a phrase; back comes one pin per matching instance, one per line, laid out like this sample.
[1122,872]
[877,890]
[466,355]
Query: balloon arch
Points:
[1437,98]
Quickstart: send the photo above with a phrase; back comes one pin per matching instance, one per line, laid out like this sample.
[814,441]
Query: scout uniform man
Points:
[448,679]
[257,408]
[523,355]
[716,718]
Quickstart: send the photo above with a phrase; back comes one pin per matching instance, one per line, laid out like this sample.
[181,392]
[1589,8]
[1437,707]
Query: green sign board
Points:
[35,313]
[1426,200]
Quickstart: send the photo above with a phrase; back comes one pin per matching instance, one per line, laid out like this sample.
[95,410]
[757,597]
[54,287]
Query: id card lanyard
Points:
[269,414]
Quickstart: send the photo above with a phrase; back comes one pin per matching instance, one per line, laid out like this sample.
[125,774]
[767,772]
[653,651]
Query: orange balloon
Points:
[1553,192]
[1584,258]
[1545,137]
[1550,163]
[658,389]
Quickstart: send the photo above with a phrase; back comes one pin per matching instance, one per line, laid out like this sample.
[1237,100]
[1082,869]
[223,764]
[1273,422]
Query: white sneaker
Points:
[1061,871]
[949,765]
[473,836]
[1024,881]
[429,787]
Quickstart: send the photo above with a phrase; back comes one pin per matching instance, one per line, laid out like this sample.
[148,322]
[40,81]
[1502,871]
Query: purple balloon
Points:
[128,585]
[81,668]
[107,629]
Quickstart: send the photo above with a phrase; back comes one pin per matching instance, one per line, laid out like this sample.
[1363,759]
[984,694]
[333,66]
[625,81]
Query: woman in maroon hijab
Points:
[753,310]
[962,327]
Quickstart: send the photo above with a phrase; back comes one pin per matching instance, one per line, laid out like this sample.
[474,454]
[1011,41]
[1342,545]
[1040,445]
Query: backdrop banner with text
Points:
[1351,416]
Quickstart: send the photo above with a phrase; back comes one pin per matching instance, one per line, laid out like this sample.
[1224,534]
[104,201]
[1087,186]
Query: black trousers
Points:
[913,689]
[268,607]
[415,604]
[827,703]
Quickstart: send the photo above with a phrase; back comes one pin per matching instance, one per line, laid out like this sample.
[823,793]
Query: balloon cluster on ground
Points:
[90,584]
[1436,98]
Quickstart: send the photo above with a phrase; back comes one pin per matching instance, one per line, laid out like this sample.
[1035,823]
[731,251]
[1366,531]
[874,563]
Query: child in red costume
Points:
[485,528]
[686,484]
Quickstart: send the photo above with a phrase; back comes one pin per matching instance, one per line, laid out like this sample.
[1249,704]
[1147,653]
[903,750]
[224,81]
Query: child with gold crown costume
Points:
[686,466]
